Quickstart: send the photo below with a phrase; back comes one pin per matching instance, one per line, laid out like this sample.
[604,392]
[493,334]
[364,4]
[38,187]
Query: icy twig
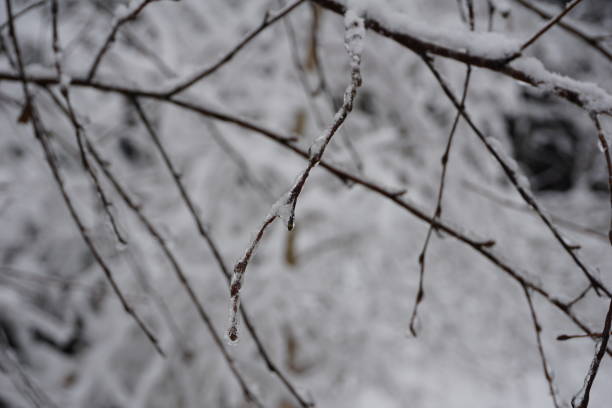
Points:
[605,149]
[110,38]
[50,158]
[285,206]
[538,330]
[581,400]
[213,247]
[518,181]
[269,19]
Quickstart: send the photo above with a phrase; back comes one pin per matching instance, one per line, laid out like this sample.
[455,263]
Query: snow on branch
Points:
[485,50]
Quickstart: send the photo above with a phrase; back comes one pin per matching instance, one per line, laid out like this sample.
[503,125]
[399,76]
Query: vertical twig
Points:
[590,378]
[538,330]
[605,149]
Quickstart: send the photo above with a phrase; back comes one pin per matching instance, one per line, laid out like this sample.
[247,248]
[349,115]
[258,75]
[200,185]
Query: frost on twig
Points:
[285,207]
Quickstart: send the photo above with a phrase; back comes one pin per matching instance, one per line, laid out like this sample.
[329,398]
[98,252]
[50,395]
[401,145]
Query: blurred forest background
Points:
[331,301]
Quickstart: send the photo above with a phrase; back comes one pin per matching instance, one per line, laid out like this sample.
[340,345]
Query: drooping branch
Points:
[605,149]
[285,207]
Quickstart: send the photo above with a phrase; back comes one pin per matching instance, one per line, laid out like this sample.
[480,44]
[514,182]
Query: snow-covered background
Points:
[331,300]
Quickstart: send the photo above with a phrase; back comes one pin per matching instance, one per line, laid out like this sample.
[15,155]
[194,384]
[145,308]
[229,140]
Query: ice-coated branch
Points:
[125,17]
[269,19]
[285,207]
[581,400]
[605,149]
[537,328]
[41,137]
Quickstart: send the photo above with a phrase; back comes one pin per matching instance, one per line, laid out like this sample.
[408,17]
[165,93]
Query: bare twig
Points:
[23,11]
[564,337]
[421,46]
[269,19]
[40,135]
[178,270]
[605,149]
[176,176]
[549,25]
[570,225]
[593,41]
[513,177]
[538,330]
[581,400]
[110,38]
[438,208]
[79,130]
[285,206]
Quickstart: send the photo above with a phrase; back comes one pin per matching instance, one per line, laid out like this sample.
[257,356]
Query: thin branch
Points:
[554,21]
[565,337]
[605,149]
[110,38]
[40,135]
[176,176]
[477,244]
[178,270]
[285,206]
[564,88]
[79,130]
[269,19]
[511,204]
[584,394]
[514,179]
[538,330]
[570,28]
[438,208]
[22,12]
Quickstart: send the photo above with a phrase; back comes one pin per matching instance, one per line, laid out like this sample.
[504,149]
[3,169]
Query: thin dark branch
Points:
[23,11]
[568,91]
[573,29]
[570,225]
[538,330]
[212,246]
[605,149]
[513,177]
[41,136]
[176,267]
[269,19]
[584,395]
[438,208]
[110,38]
[554,21]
